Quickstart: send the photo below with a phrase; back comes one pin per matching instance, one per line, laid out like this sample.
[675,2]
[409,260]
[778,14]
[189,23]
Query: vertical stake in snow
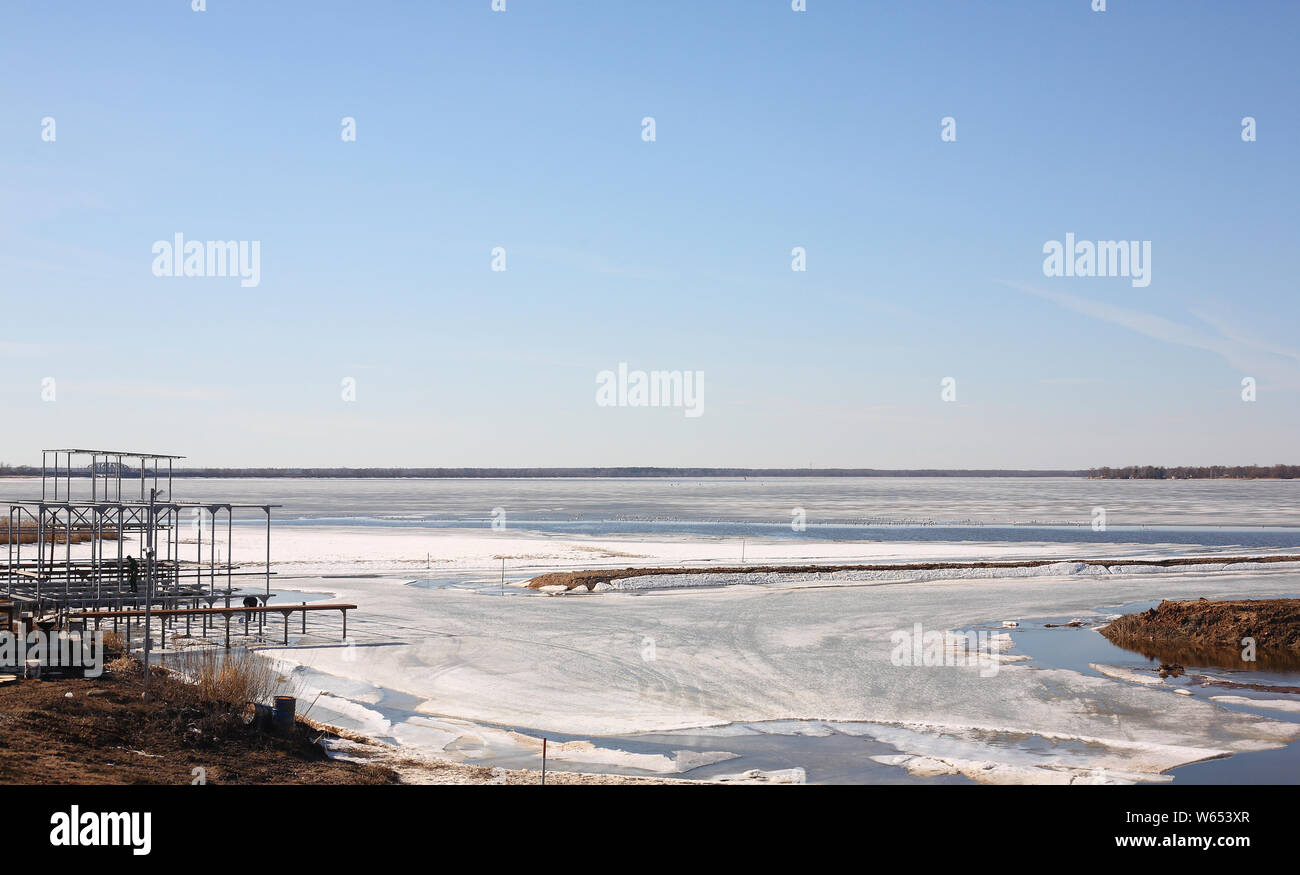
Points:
[503,575]
[543,762]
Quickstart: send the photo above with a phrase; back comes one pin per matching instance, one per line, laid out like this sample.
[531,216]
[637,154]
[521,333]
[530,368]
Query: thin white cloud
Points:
[1247,354]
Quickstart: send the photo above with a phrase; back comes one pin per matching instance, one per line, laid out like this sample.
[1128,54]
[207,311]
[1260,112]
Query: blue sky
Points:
[774,129]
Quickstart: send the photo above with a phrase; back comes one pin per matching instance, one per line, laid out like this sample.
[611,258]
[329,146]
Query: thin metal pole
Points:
[67,542]
[97,549]
[40,552]
[212,553]
[198,564]
[150,538]
[18,551]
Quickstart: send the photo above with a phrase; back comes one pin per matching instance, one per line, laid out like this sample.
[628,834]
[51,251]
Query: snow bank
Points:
[1291,705]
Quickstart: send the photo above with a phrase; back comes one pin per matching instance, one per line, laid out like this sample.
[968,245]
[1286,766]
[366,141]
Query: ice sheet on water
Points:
[1120,673]
[591,754]
[615,666]
[1291,705]
[759,776]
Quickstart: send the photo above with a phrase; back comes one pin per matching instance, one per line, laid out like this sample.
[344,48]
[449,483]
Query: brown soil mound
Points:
[1273,623]
[101,731]
[572,579]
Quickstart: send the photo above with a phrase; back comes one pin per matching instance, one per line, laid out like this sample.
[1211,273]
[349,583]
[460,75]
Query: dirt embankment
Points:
[589,579]
[1274,624]
[101,731]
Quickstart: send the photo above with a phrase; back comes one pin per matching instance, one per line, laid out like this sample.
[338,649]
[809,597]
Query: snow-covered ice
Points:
[624,662]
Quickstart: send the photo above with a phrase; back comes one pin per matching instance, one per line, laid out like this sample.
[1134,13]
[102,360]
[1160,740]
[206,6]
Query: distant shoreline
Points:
[1238,472]
[553,473]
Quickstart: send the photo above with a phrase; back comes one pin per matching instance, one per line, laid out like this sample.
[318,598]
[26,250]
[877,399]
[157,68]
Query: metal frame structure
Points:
[96,477]
[44,582]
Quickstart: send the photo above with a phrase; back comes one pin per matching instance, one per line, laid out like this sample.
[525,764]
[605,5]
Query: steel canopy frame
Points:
[95,455]
[156,519]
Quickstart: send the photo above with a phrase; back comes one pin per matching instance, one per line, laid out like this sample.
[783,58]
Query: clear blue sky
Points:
[775,129]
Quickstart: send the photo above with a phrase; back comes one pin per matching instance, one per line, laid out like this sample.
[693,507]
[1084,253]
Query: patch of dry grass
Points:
[227,680]
[26,534]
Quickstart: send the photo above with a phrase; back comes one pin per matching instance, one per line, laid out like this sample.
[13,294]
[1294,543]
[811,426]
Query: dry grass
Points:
[103,731]
[124,666]
[26,534]
[227,680]
[113,642]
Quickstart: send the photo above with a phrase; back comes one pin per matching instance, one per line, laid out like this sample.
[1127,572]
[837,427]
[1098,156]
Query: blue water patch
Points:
[1078,648]
[482,586]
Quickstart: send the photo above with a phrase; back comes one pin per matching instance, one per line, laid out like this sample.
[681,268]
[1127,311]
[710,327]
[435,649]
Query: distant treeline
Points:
[28,470]
[1132,472]
[1208,472]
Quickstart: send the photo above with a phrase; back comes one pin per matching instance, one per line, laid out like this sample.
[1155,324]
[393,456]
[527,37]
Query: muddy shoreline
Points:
[103,731]
[1258,633]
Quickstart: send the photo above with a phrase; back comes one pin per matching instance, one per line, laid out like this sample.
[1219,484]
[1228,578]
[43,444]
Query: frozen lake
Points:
[787,677]
[828,501]
[714,680]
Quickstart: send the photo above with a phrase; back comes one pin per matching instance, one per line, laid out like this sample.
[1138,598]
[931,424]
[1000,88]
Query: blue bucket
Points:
[282,713]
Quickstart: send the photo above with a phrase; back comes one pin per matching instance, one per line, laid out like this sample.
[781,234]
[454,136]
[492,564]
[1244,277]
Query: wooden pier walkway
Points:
[163,614]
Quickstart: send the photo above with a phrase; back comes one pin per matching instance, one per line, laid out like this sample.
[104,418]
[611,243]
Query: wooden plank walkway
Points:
[261,611]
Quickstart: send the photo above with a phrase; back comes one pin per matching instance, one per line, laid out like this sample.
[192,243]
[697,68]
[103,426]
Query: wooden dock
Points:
[164,614]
